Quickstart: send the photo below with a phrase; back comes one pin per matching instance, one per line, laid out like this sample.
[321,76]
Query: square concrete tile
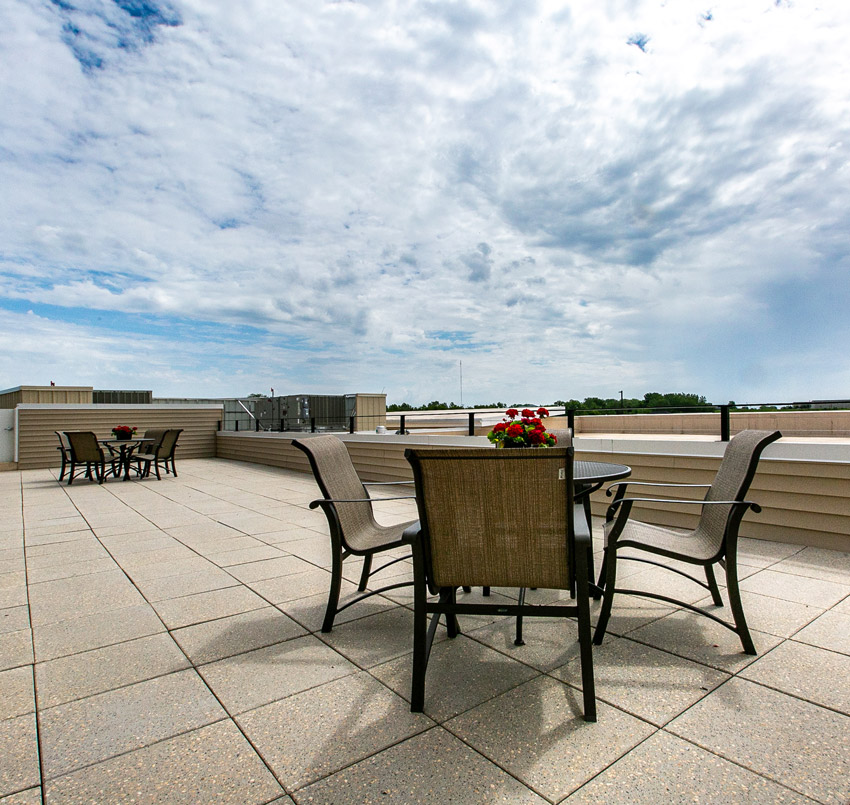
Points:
[818,563]
[87,731]
[18,754]
[13,596]
[801,589]
[85,568]
[16,692]
[843,606]
[15,649]
[666,769]
[772,615]
[200,607]
[549,642]
[54,601]
[319,731]
[434,766]
[798,744]
[461,674]
[536,733]
[32,796]
[270,568]
[259,677]
[177,567]
[14,619]
[831,630]
[654,685]
[374,639]
[316,550]
[101,669]
[210,764]
[236,634]
[630,612]
[185,584]
[93,631]
[310,611]
[763,553]
[245,556]
[697,638]
[289,588]
[811,673]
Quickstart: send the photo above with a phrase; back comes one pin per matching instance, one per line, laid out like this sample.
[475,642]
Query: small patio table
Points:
[125,450]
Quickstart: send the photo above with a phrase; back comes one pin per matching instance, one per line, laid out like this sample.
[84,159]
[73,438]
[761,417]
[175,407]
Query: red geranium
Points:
[500,426]
[512,413]
[542,412]
[527,431]
[514,429]
[527,413]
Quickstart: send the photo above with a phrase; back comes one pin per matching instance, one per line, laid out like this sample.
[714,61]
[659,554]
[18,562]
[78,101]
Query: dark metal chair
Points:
[86,455]
[713,541]
[158,454]
[64,449]
[353,529]
[495,518]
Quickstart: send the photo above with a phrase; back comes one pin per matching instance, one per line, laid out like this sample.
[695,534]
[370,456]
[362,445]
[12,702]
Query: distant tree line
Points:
[596,405]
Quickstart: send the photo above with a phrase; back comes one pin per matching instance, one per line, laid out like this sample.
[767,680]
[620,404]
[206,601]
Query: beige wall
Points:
[803,502]
[45,394]
[36,424]
[797,423]
[371,411]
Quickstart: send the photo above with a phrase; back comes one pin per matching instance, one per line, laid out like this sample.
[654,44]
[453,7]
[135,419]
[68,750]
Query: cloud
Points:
[325,190]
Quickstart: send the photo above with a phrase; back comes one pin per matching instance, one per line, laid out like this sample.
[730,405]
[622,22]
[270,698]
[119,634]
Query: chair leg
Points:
[485,591]
[608,598]
[518,641]
[364,576]
[449,595]
[588,685]
[736,607]
[712,585]
[64,465]
[333,595]
[600,585]
[420,623]
[71,470]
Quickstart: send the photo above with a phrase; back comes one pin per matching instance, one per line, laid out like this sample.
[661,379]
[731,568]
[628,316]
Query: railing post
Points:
[218,426]
[571,420]
[401,425]
[351,424]
[724,423]
[312,424]
[282,427]
[471,423]
[237,424]
[256,425]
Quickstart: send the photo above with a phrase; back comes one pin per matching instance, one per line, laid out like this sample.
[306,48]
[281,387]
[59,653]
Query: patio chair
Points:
[502,518]
[86,455]
[162,454]
[713,541]
[353,529]
[64,449]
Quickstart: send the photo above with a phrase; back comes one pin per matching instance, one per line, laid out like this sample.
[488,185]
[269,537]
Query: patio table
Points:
[125,450]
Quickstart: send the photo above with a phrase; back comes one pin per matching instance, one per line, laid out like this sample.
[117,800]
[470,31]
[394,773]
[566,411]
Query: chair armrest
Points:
[322,501]
[754,506]
[581,530]
[386,483]
[648,483]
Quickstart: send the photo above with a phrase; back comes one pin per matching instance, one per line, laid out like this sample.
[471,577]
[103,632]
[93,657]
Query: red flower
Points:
[542,412]
[527,413]
[499,427]
[553,437]
[514,430]
[537,436]
[512,412]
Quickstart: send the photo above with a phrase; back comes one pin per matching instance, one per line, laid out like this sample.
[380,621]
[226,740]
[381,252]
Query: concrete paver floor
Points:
[159,642]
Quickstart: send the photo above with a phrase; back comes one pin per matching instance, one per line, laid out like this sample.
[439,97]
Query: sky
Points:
[458,200]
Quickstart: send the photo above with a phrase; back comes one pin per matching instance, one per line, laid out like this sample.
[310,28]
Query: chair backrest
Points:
[495,517]
[157,435]
[84,446]
[168,443]
[733,479]
[64,444]
[338,480]
[564,436]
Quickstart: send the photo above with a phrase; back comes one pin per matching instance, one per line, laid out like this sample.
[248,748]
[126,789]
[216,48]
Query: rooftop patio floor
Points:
[159,642]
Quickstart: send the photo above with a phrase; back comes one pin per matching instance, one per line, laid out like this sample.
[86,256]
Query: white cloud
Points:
[380,190]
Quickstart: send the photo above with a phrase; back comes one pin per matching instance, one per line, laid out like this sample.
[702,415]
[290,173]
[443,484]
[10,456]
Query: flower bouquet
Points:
[123,431]
[526,430]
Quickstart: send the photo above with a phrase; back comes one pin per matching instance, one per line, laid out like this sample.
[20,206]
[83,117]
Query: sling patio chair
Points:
[86,455]
[713,541]
[353,529]
[161,454]
[503,518]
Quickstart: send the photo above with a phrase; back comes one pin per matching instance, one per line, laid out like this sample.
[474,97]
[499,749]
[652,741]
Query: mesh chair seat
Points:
[685,545]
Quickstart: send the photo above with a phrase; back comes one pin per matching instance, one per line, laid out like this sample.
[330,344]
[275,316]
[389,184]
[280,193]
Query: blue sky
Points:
[209,198]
